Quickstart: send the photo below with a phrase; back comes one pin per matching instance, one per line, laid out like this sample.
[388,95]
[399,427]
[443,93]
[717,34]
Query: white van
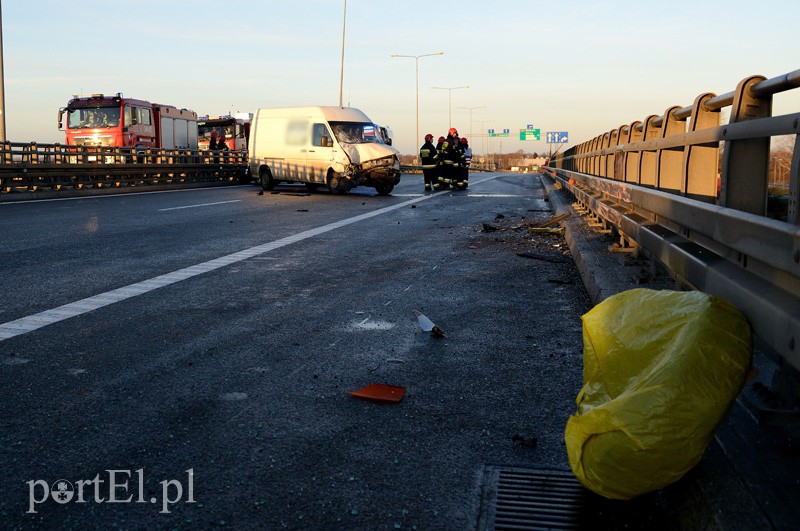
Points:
[338,147]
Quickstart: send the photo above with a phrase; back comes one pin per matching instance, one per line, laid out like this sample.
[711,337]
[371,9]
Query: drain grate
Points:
[536,498]
[519,498]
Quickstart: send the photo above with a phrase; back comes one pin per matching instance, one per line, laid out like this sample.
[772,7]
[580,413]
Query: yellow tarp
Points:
[660,370]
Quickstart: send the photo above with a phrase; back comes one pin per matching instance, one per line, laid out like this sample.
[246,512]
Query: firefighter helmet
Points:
[428,137]
[463,140]
[441,139]
[452,132]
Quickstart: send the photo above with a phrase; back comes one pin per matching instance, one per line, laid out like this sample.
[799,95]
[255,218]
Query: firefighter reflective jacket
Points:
[428,156]
[449,153]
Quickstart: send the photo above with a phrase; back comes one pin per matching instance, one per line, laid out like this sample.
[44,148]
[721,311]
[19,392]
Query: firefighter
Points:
[463,169]
[212,144]
[449,155]
[428,155]
[436,184]
[222,144]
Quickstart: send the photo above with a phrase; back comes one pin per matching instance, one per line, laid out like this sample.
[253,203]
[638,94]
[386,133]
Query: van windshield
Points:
[356,133]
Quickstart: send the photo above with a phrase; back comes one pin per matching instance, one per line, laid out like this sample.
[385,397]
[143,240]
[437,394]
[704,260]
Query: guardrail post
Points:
[633,158]
[745,163]
[613,141]
[620,167]
[649,159]
[669,163]
[794,184]
[700,163]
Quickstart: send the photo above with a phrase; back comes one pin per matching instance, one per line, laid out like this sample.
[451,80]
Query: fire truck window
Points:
[144,115]
[128,116]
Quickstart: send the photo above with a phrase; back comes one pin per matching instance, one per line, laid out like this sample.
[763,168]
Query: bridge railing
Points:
[694,194]
[33,166]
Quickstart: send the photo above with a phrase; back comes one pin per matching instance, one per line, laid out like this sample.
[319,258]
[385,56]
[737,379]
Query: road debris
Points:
[428,326]
[379,393]
[546,230]
[525,442]
[554,220]
[543,258]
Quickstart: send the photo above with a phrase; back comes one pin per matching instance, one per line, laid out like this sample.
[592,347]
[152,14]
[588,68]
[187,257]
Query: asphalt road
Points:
[239,372]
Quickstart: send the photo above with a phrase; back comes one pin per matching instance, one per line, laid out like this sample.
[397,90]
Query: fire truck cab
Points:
[100,120]
[236,129]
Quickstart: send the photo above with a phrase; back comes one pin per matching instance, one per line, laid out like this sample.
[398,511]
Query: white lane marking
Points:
[33,322]
[106,196]
[201,205]
[494,195]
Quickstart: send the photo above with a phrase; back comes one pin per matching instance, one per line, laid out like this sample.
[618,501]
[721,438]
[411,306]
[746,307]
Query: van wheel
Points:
[334,183]
[384,189]
[265,176]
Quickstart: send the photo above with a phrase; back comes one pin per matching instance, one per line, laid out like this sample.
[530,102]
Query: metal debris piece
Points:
[428,326]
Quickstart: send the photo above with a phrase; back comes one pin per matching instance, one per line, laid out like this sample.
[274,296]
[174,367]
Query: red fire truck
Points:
[235,128]
[100,120]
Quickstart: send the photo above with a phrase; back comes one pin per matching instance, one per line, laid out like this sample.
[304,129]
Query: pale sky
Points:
[577,66]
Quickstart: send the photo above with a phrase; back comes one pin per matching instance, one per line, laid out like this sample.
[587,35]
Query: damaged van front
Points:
[370,161]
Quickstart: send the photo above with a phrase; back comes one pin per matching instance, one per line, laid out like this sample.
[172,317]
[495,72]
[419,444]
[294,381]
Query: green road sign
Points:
[530,134]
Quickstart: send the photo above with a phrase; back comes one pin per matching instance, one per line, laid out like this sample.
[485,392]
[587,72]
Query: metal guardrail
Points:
[31,167]
[658,184]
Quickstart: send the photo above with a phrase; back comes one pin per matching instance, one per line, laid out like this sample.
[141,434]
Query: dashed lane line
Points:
[200,205]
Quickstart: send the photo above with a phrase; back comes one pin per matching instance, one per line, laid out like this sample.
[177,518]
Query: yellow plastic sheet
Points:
[660,370]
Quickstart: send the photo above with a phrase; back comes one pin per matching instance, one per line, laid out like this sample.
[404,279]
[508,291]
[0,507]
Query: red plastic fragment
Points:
[379,393]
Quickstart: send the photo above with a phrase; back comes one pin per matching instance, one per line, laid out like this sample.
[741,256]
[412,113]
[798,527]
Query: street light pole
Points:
[470,109]
[416,61]
[341,73]
[449,105]
[484,136]
[2,85]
